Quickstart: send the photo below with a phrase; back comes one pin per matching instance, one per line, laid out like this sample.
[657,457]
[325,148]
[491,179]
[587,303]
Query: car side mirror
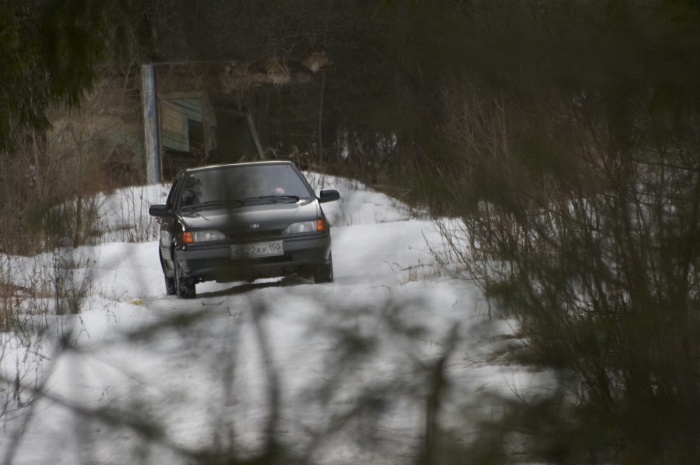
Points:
[328,195]
[159,211]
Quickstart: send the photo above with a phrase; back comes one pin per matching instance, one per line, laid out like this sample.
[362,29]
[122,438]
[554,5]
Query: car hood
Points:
[272,216]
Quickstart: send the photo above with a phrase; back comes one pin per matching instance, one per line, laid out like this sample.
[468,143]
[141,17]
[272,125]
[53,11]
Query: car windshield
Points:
[239,184]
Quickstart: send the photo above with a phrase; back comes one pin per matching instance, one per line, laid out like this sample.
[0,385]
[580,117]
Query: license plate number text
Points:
[265,249]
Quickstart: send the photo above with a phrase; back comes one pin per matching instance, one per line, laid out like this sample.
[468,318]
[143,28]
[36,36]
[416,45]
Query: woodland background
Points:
[563,135]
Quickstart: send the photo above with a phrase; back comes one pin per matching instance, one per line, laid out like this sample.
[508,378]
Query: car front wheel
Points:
[170,288]
[169,282]
[324,273]
[184,287]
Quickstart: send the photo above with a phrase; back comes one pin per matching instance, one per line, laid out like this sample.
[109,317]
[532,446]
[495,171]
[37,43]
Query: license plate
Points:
[264,249]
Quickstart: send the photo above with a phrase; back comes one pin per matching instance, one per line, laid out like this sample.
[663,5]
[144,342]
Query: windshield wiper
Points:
[285,198]
[215,203]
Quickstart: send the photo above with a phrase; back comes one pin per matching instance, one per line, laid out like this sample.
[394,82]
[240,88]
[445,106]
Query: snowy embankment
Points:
[147,378]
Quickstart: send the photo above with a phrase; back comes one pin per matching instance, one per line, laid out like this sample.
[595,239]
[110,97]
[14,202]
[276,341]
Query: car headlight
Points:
[190,237]
[306,227]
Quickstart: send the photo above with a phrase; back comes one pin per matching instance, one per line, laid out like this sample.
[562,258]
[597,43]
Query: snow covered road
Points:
[334,372]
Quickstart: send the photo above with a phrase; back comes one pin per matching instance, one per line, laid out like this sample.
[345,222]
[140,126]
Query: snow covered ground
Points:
[141,377]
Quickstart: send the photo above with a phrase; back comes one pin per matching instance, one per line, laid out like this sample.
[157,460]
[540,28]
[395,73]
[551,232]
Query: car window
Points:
[241,183]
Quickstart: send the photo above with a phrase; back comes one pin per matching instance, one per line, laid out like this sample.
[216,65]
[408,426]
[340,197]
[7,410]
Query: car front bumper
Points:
[215,263]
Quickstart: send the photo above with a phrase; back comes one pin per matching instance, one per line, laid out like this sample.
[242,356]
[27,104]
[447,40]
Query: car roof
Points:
[230,165]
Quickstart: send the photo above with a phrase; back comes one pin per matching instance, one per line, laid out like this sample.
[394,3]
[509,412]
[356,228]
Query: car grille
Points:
[254,236]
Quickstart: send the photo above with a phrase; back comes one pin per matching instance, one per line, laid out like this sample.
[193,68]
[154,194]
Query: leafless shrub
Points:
[595,255]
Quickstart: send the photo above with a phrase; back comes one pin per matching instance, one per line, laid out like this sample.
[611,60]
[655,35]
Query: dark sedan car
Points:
[241,222]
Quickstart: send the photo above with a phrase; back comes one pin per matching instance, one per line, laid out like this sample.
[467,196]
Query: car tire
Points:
[170,288]
[324,273]
[184,287]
